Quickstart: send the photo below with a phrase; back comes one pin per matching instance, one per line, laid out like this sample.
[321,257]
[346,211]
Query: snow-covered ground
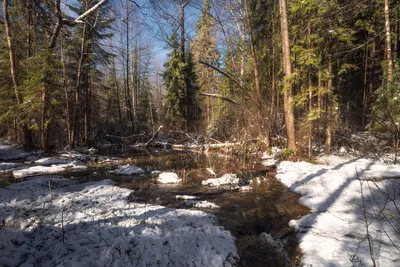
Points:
[52,161]
[8,152]
[168,178]
[226,179]
[335,233]
[98,224]
[202,204]
[128,170]
[45,170]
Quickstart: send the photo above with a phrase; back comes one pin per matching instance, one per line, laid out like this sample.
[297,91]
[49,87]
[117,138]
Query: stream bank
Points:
[258,217]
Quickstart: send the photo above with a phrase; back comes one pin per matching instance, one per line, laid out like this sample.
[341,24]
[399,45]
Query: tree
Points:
[287,66]
[388,43]
[174,80]
[204,48]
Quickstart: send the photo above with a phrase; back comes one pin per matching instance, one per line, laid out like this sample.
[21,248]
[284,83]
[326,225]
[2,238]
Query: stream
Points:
[258,217]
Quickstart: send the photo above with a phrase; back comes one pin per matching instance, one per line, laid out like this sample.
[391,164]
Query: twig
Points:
[154,136]
[62,223]
[51,193]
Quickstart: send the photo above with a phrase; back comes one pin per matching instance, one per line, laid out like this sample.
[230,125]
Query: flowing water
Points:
[257,218]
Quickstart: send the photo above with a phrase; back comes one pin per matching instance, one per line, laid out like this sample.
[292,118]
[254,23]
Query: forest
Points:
[292,74]
[238,133]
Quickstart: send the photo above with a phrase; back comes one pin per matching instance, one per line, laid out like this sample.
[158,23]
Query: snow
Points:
[128,170]
[52,161]
[6,166]
[185,197]
[335,233]
[43,170]
[202,204]
[97,224]
[168,178]
[270,162]
[8,152]
[211,171]
[226,179]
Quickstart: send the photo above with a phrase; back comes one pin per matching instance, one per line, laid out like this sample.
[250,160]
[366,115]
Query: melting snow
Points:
[96,224]
[168,178]
[334,234]
[202,204]
[185,197]
[6,166]
[52,161]
[226,179]
[128,170]
[43,170]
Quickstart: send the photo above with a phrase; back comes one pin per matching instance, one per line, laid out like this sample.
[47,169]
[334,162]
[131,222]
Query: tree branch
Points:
[61,21]
[227,99]
[225,74]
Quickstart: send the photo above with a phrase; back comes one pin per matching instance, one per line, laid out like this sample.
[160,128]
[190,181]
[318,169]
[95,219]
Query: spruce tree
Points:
[204,48]
[174,80]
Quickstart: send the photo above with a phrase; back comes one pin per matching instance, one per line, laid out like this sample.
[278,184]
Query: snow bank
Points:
[52,161]
[168,178]
[45,170]
[8,152]
[6,166]
[185,197]
[202,204]
[226,179]
[334,233]
[128,170]
[96,224]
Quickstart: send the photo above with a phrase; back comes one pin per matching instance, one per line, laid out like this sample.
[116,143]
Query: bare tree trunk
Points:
[115,82]
[28,144]
[127,90]
[185,89]
[364,109]
[29,23]
[388,42]
[64,85]
[44,117]
[287,95]
[256,78]
[310,99]
[329,110]
[75,124]
[11,51]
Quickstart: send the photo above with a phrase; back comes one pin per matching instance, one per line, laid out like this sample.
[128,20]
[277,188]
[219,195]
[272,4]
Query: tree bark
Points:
[75,124]
[388,42]
[64,85]
[28,144]
[329,110]
[256,77]
[364,108]
[6,20]
[310,99]
[287,95]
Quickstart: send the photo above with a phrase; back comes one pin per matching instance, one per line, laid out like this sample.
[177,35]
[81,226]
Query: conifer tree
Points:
[204,48]
[174,80]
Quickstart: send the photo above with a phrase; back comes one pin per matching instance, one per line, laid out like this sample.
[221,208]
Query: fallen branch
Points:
[154,136]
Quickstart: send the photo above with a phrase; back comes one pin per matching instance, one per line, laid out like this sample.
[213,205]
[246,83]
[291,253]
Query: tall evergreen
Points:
[174,80]
[204,48]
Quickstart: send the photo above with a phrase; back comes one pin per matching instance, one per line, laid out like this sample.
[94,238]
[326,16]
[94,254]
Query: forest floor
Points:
[57,221]
[54,221]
